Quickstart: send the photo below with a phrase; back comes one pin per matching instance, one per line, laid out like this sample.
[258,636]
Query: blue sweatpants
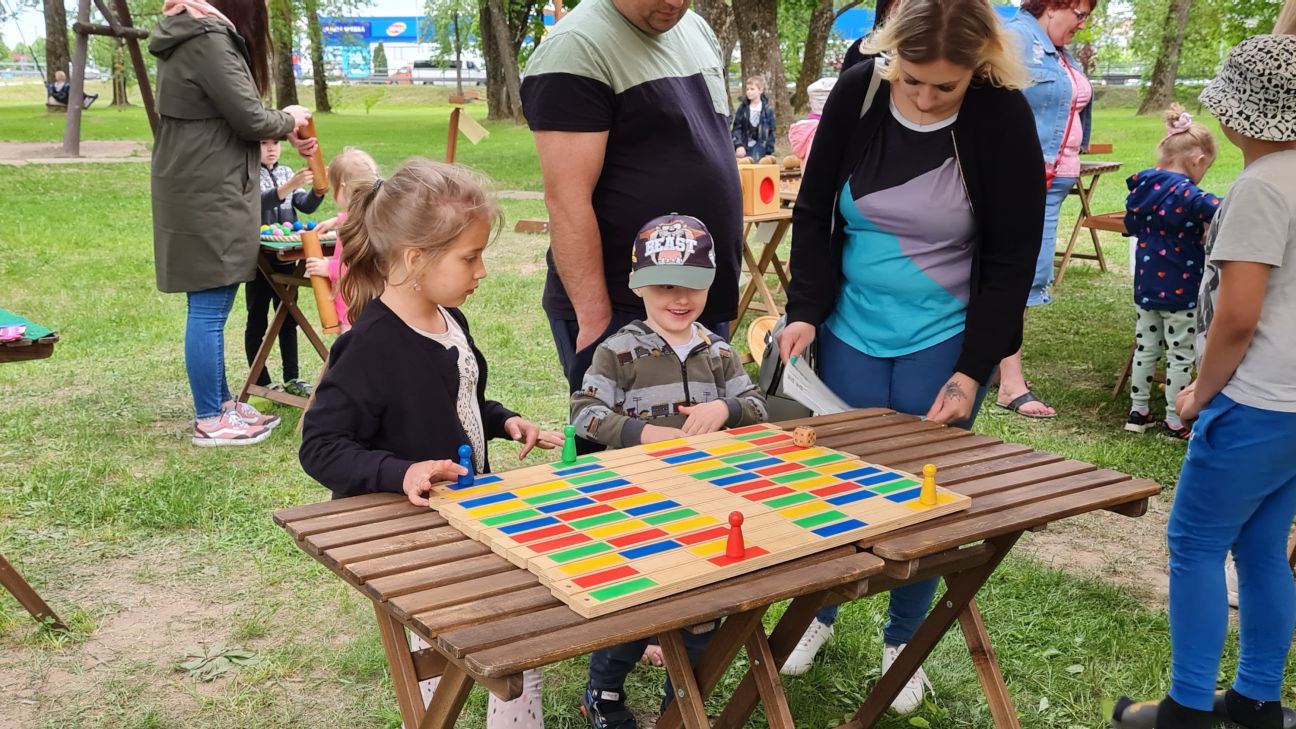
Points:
[1237,490]
[907,384]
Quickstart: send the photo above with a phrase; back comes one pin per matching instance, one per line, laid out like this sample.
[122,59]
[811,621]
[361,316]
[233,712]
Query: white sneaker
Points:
[228,430]
[803,655]
[911,696]
[1231,579]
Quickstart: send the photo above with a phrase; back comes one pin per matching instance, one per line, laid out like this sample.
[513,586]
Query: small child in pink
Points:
[346,168]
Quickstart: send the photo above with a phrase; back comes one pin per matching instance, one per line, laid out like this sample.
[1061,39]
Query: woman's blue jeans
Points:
[205,348]
[1040,286]
[907,384]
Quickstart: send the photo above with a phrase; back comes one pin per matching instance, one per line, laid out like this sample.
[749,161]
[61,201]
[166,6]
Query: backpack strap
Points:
[874,82]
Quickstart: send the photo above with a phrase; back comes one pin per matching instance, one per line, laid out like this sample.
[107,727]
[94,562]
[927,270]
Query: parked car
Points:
[443,71]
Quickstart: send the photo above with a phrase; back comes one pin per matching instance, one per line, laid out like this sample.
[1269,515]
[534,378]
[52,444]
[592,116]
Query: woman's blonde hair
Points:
[425,205]
[1184,137]
[349,165]
[966,33]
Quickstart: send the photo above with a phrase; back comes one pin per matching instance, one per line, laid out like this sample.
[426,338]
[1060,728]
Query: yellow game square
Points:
[730,448]
[663,445]
[611,530]
[710,549]
[699,466]
[502,507]
[813,483]
[917,505]
[593,564]
[688,525]
[542,488]
[849,464]
[802,510]
[630,502]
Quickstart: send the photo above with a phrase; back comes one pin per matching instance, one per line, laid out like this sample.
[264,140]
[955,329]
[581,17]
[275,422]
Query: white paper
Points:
[802,384]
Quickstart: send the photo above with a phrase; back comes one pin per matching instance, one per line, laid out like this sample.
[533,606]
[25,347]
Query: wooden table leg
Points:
[1075,233]
[692,704]
[27,596]
[1124,375]
[715,660]
[961,587]
[987,667]
[782,640]
[1086,196]
[755,283]
[768,684]
[448,699]
[272,334]
[286,286]
[404,675]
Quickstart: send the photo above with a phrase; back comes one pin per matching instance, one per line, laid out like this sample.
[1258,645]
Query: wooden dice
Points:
[804,436]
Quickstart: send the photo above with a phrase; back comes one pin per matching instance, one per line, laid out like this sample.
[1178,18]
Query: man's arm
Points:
[571,163]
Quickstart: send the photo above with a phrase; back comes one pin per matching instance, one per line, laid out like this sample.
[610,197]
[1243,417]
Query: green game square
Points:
[622,589]
[581,552]
[789,500]
[593,521]
[512,516]
[793,476]
[553,496]
[578,462]
[892,487]
[754,436]
[669,516]
[820,460]
[591,477]
[715,473]
[742,457]
[810,522]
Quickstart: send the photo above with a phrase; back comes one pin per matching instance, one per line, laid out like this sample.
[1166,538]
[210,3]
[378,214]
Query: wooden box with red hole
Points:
[760,188]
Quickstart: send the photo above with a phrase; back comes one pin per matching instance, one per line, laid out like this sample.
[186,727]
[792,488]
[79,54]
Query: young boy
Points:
[1237,488]
[655,380]
[282,194]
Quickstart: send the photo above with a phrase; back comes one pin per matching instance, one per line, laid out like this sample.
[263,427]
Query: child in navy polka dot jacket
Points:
[1168,215]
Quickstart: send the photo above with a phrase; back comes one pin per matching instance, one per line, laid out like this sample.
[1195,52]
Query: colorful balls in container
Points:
[297,225]
[310,225]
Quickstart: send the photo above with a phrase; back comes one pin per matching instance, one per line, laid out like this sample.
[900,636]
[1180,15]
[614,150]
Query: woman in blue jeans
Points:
[212,69]
[914,240]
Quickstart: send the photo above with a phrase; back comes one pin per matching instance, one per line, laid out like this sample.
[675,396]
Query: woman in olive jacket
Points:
[211,71]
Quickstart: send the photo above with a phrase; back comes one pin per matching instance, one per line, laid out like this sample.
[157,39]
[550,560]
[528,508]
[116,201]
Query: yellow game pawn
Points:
[927,497]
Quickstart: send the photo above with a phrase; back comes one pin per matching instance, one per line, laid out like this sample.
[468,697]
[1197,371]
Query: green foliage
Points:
[453,25]
[380,60]
[1214,26]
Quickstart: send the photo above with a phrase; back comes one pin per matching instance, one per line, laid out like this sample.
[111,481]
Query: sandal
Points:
[1026,397]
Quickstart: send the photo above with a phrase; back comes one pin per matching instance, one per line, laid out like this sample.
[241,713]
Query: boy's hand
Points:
[317,267]
[529,434]
[1186,404]
[420,477]
[705,418]
[652,655]
[325,226]
[302,178]
[658,433]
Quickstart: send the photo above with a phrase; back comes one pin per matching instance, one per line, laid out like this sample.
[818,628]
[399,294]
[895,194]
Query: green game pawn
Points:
[569,444]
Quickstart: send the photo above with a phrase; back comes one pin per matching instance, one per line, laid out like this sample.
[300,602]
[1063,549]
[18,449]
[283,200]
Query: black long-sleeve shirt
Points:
[999,155]
[386,403]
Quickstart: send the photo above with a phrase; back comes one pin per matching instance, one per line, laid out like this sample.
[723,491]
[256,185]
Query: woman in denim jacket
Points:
[1060,97]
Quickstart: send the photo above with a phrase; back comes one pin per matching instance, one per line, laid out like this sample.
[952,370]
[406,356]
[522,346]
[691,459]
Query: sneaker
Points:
[1183,432]
[254,417]
[1231,579]
[802,657]
[607,710]
[911,696]
[298,387]
[228,430]
[1138,422]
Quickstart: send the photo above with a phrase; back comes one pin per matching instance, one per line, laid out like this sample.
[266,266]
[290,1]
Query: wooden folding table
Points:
[286,285]
[1094,172]
[488,621]
[766,231]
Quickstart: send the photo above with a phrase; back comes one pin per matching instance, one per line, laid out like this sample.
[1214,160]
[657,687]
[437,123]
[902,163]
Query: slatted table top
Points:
[1098,167]
[498,620]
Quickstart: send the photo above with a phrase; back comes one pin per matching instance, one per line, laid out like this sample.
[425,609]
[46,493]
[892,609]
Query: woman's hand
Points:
[954,402]
[659,433]
[705,418]
[317,267]
[529,435]
[300,115]
[794,338]
[1186,404]
[305,146]
[420,477]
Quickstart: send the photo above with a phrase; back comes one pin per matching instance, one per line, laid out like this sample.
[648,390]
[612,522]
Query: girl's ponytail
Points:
[365,272]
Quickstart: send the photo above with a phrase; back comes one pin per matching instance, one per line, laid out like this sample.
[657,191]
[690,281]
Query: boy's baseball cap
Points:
[673,250]
[1255,91]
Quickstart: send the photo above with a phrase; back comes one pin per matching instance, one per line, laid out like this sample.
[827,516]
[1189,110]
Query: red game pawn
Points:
[735,547]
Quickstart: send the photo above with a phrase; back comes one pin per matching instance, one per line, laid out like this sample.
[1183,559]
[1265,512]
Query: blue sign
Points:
[367,31]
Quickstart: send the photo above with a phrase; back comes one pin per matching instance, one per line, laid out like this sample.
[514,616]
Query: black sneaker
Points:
[298,387]
[1183,432]
[607,710]
[1138,422]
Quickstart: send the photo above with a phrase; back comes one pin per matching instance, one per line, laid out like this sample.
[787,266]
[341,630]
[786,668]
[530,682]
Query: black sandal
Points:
[1026,397]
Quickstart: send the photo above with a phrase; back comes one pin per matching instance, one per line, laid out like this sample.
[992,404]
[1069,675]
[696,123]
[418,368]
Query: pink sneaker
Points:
[228,430]
[254,417]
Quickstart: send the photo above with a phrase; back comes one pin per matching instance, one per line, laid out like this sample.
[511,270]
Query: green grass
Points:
[148,545]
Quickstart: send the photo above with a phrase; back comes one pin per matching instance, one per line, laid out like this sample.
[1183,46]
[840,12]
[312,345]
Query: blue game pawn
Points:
[466,460]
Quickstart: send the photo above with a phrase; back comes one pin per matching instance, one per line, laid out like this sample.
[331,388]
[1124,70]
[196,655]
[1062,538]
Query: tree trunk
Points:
[119,74]
[721,19]
[757,22]
[1160,92]
[458,50]
[318,70]
[519,23]
[1286,22]
[281,36]
[821,21]
[503,98]
[56,43]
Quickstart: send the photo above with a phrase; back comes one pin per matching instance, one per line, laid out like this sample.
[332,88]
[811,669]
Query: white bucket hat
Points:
[1255,91]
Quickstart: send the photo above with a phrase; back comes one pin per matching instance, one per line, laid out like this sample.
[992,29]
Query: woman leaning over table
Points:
[914,238]
[1060,96]
[212,68]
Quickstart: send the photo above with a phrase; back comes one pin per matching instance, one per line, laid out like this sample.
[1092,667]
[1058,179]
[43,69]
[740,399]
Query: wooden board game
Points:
[612,530]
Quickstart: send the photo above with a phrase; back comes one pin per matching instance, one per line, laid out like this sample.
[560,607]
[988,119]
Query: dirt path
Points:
[44,153]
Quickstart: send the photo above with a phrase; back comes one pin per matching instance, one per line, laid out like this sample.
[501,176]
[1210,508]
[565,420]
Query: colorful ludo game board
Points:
[616,529]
